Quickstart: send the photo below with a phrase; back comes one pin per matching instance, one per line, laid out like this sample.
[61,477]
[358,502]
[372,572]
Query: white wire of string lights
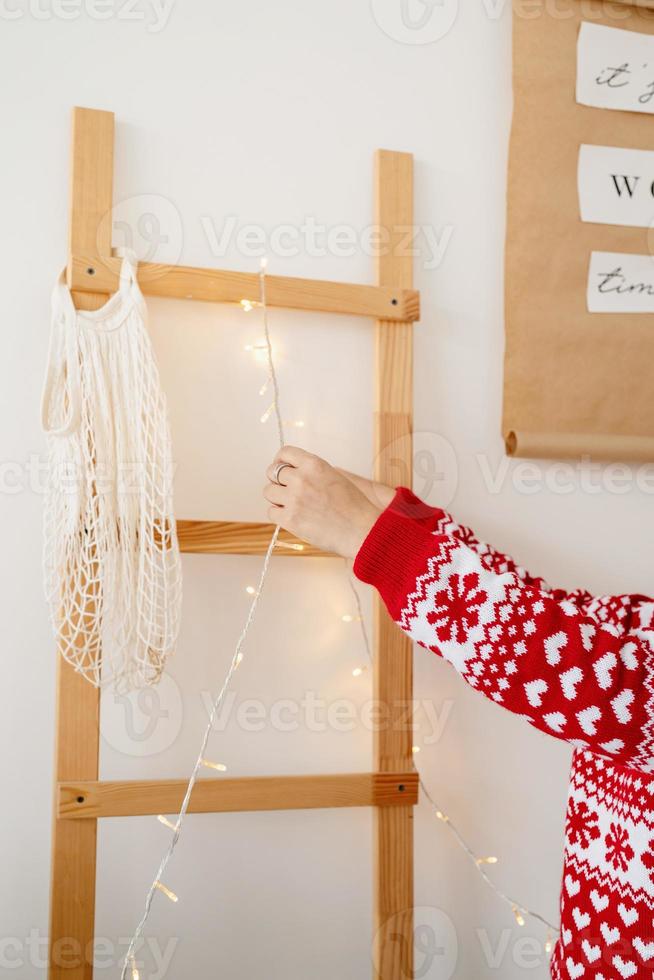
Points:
[130,967]
[520,911]
[158,886]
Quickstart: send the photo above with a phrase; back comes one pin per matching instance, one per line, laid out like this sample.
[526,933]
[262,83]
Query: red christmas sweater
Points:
[577,667]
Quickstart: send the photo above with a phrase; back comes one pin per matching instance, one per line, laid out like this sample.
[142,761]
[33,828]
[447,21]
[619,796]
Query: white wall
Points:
[270,113]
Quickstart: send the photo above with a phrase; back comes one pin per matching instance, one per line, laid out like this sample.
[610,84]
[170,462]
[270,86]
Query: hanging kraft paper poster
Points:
[579,361]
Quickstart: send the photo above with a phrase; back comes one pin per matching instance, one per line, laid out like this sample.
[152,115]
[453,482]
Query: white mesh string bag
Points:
[111,557]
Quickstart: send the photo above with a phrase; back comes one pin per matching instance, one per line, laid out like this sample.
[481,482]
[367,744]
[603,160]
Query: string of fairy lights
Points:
[520,911]
[130,965]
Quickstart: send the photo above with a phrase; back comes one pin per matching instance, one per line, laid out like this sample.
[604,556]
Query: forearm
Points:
[377,493]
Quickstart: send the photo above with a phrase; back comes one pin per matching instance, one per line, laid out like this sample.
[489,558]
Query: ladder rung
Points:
[239,538]
[133,798]
[90,273]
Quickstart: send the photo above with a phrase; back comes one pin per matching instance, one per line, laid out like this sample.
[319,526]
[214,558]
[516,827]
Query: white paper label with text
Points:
[615,68]
[620,283]
[616,186]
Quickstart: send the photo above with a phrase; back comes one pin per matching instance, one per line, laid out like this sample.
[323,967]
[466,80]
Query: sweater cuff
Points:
[406,503]
[395,552]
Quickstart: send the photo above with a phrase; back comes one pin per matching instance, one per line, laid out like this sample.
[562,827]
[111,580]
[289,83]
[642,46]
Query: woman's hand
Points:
[378,494]
[318,503]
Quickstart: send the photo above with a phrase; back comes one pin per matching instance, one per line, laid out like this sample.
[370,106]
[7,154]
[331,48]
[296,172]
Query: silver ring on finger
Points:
[278,470]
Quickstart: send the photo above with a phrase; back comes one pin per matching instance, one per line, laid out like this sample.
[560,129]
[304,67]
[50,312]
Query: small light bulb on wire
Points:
[247,305]
[519,917]
[250,589]
[166,822]
[166,891]
[548,942]
[256,347]
[135,973]
[491,859]
[291,545]
[415,749]
[358,671]
[442,816]
[218,766]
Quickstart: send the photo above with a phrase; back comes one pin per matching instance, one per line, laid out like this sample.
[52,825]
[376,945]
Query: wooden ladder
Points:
[80,799]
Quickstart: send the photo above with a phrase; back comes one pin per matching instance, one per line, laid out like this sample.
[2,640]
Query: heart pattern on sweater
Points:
[603,668]
[555,720]
[553,646]
[620,705]
[575,969]
[613,746]
[588,632]
[569,681]
[534,691]
[581,918]
[611,934]
[600,902]
[591,953]
[627,968]
[628,916]
[628,657]
[646,950]
[587,719]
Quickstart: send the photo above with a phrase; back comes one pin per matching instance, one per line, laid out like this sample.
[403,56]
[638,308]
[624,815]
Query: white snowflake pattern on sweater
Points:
[577,667]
